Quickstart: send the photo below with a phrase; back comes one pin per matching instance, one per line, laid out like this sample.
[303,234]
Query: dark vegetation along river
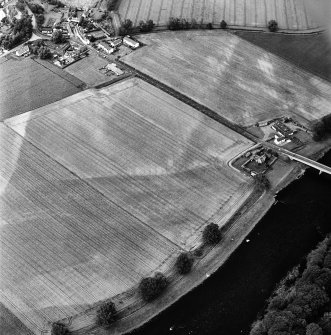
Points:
[229,301]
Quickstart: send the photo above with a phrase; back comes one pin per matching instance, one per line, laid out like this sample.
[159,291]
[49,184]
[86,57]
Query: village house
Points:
[130,42]
[106,47]
[116,43]
[47,30]
[24,50]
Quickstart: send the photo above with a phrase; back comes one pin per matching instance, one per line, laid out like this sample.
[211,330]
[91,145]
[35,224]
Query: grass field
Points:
[100,189]
[290,14]
[239,81]
[87,70]
[26,85]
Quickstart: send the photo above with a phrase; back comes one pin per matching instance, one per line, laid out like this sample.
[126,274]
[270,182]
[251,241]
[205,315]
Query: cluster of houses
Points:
[69,54]
[111,46]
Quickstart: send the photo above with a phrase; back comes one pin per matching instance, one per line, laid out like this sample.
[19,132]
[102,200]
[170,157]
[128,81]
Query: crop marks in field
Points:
[236,79]
[64,245]
[290,14]
[103,187]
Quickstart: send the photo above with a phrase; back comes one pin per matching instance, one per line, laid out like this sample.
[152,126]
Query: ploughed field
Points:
[290,14]
[26,84]
[103,188]
[239,81]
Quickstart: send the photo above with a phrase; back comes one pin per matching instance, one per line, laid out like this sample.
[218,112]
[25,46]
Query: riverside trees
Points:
[301,305]
[106,314]
[151,287]
[212,234]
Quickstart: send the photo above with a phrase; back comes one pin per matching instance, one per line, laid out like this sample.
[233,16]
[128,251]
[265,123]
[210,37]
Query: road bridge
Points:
[305,160]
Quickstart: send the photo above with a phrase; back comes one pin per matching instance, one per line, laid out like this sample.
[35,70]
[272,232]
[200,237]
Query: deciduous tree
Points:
[106,314]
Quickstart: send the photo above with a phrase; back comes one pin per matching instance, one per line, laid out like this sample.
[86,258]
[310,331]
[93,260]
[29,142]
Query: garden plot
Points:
[234,78]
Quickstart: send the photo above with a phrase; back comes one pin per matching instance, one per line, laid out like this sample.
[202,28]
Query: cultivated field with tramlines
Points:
[234,78]
[290,14]
[101,189]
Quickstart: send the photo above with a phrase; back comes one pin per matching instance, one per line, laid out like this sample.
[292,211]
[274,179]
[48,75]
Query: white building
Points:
[112,67]
[281,140]
[106,47]
[116,43]
[130,42]
[24,50]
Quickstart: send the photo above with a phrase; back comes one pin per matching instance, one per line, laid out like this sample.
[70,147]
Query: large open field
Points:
[26,85]
[290,14]
[231,76]
[101,189]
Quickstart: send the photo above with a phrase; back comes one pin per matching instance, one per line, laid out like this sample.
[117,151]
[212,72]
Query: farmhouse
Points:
[260,157]
[24,50]
[116,43]
[282,129]
[106,47]
[130,42]
[47,30]
[280,139]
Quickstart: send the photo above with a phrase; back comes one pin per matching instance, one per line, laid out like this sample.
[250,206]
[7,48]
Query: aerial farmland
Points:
[26,85]
[234,78]
[290,15]
[103,188]
[140,147]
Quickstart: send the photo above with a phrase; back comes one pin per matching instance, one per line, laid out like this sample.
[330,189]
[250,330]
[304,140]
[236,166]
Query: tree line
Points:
[322,129]
[21,31]
[150,288]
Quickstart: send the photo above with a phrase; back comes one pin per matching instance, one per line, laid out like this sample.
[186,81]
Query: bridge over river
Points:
[304,160]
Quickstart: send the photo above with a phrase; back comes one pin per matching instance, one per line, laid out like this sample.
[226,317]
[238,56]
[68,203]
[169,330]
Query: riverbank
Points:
[229,301]
[136,313]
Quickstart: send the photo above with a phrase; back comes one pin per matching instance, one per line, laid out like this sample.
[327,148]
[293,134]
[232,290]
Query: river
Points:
[230,300]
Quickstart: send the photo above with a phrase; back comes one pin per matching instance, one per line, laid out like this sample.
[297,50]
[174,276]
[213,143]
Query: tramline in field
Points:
[102,188]
[290,14]
[234,78]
